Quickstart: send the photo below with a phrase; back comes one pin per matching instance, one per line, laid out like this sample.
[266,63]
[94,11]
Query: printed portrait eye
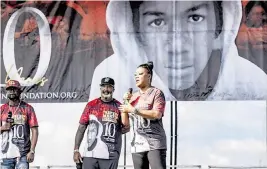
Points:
[157,23]
[195,18]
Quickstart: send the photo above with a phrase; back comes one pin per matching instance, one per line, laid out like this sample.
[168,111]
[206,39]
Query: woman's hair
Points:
[149,67]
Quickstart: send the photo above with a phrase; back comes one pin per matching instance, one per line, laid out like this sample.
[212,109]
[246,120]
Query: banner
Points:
[59,50]
[53,47]
[201,50]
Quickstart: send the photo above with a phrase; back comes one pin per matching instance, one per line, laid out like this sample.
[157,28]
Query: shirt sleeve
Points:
[84,120]
[32,119]
[159,102]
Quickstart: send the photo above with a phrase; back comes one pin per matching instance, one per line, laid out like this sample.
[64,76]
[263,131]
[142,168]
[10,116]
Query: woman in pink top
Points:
[146,109]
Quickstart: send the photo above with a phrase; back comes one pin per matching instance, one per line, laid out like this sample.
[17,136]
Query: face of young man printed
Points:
[178,37]
[92,134]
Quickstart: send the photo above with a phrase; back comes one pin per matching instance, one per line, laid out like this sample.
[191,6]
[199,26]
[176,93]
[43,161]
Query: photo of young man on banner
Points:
[192,44]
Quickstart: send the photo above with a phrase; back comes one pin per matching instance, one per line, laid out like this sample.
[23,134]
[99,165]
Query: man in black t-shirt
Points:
[105,124]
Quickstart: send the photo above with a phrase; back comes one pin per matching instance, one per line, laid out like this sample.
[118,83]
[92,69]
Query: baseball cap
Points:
[13,83]
[107,81]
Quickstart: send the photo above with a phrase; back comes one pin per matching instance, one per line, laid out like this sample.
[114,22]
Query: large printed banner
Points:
[59,50]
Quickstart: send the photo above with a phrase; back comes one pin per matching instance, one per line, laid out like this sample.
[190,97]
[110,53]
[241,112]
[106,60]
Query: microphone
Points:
[126,100]
[130,90]
[9,118]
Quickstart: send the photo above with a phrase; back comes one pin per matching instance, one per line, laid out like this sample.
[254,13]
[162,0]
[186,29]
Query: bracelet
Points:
[76,151]
[32,151]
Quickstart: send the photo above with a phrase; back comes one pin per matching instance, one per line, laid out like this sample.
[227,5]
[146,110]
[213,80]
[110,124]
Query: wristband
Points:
[76,151]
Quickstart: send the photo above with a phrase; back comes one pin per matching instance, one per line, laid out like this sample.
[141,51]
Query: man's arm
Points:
[84,120]
[33,123]
[30,155]
[79,136]
[34,138]
[78,139]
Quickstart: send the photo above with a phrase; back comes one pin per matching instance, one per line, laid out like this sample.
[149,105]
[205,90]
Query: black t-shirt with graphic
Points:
[16,142]
[103,120]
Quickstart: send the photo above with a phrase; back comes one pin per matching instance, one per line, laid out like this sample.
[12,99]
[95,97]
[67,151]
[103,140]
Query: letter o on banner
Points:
[45,46]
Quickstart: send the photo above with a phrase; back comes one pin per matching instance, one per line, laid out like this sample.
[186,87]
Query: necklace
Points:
[14,114]
[16,108]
